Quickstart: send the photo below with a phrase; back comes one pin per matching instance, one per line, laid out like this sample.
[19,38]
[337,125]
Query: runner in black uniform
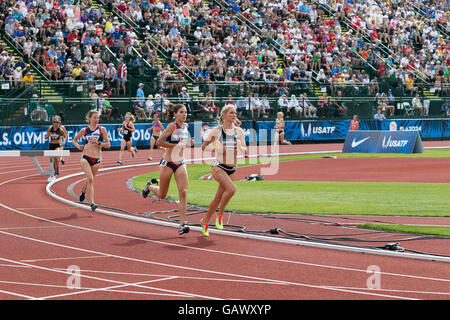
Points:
[229,139]
[127,129]
[56,133]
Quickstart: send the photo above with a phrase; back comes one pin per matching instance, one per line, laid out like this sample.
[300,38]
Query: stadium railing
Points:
[14,112]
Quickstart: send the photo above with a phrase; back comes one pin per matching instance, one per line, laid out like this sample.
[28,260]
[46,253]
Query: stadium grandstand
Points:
[66,57]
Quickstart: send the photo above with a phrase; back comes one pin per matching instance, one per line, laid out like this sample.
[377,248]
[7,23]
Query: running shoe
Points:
[82,196]
[183,229]
[219,222]
[204,228]
[119,162]
[145,192]
[155,181]
[150,158]
[93,207]
[62,161]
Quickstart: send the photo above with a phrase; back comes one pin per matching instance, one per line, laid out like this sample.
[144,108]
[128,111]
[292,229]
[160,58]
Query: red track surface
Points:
[119,259]
[425,170]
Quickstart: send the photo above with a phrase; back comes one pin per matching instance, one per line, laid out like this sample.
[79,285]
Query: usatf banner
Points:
[33,138]
[369,141]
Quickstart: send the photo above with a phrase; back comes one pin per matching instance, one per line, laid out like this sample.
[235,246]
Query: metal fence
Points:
[30,110]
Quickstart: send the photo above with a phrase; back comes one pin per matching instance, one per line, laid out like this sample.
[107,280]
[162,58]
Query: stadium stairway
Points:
[46,91]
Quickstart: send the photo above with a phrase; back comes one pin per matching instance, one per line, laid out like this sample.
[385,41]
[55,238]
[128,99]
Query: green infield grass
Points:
[430,230]
[343,198]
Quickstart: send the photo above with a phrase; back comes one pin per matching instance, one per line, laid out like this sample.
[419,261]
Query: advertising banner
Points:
[33,138]
[369,141]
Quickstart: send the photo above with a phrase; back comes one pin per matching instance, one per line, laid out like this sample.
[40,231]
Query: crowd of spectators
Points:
[68,39]
[277,48]
[412,34]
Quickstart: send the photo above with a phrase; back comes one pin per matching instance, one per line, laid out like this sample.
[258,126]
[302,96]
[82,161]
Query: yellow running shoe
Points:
[204,228]
[219,222]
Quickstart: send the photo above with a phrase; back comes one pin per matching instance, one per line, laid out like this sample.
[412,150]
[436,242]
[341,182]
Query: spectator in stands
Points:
[121,77]
[8,73]
[149,106]
[19,36]
[283,103]
[17,74]
[199,106]
[381,101]
[294,105]
[445,109]
[185,98]
[210,105]
[309,110]
[28,79]
[255,105]
[418,105]
[323,105]
[158,104]
[36,109]
[140,92]
[265,106]
[379,115]
[337,107]
[373,87]
[241,105]
[139,108]
[109,109]
[390,105]
[9,27]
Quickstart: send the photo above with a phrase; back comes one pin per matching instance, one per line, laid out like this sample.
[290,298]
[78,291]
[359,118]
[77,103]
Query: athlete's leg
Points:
[223,195]
[181,178]
[122,147]
[164,181]
[152,144]
[90,172]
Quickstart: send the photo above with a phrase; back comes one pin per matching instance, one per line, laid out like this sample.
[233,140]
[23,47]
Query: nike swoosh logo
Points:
[357,143]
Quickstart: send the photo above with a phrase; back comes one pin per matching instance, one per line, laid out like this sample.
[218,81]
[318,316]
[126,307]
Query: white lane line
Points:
[190,269]
[141,283]
[17,294]
[221,252]
[87,288]
[121,283]
[211,250]
[396,290]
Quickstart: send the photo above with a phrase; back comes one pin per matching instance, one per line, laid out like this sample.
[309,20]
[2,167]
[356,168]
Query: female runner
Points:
[228,138]
[174,139]
[127,129]
[279,125]
[156,129]
[95,138]
[56,133]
